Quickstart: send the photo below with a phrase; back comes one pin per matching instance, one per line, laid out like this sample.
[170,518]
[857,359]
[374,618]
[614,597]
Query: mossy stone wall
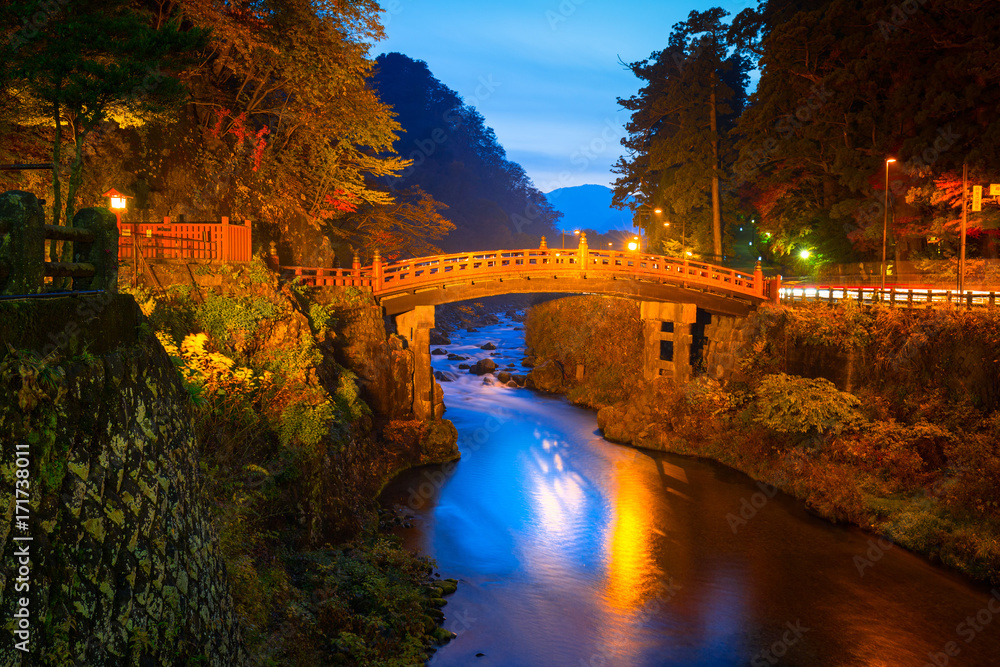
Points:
[125,569]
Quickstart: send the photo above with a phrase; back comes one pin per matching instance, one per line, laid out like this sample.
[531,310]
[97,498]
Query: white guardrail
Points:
[896,296]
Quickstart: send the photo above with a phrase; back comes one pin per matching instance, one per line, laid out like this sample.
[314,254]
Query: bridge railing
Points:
[392,277]
[422,271]
[906,297]
[92,239]
[677,270]
[320,277]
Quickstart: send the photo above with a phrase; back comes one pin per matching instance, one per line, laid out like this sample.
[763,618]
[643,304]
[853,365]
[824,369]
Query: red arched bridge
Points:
[670,292]
[401,286]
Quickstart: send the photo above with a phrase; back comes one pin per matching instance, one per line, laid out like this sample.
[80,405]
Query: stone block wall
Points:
[725,338]
[681,317]
[124,566]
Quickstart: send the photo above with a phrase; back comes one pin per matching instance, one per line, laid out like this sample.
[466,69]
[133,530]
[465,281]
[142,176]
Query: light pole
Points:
[885,225]
[563,232]
[119,203]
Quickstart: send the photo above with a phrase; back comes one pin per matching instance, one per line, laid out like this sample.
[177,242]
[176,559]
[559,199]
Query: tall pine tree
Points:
[679,142]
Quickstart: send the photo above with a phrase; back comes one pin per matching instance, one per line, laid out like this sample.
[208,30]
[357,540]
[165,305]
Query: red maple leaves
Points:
[238,128]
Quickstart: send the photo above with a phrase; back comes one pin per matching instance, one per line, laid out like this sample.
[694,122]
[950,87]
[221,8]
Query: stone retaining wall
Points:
[124,565]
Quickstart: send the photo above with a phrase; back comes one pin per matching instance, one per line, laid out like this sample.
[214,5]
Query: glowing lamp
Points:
[119,201]
[632,245]
[805,254]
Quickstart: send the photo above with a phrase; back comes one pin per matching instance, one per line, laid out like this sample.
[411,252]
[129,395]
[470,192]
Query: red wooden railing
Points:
[186,240]
[385,279]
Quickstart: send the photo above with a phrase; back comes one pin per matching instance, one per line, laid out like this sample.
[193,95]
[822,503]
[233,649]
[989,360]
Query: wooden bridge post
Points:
[224,251]
[415,326]
[377,277]
[758,279]
[583,251]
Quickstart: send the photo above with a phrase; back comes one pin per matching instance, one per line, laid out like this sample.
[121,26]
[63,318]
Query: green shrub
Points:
[222,316]
[790,404]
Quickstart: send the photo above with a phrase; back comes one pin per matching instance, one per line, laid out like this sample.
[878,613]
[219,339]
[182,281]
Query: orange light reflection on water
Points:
[631,567]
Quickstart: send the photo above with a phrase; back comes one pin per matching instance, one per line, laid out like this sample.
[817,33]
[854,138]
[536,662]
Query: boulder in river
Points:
[549,376]
[483,366]
[463,367]
[439,352]
[488,346]
[438,338]
[515,315]
[456,357]
[444,376]
[504,376]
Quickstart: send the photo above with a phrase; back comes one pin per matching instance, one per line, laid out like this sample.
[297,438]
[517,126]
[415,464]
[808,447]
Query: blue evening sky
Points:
[544,73]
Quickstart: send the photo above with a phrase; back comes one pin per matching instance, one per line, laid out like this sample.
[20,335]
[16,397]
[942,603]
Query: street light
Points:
[119,203]
[563,232]
[885,225]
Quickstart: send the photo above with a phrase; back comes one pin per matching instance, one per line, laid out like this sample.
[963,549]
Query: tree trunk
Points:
[76,175]
[56,185]
[75,178]
[716,201]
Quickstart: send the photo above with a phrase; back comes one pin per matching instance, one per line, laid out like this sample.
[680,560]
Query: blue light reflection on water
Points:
[573,551]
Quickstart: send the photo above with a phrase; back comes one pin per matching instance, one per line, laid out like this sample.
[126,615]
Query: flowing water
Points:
[571,550]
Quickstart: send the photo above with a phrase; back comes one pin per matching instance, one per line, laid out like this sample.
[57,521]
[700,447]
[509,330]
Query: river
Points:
[571,550]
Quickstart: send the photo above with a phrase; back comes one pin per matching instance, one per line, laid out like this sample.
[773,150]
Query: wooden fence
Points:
[221,241]
[91,242]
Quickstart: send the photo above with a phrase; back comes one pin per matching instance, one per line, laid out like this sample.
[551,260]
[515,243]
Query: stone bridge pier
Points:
[415,326]
[667,339]
[671,330]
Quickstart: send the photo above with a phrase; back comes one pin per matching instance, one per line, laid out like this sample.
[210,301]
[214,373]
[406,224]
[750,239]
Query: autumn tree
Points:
[679,139]
[75,65]
[408,227]
[843,86]
[286,121]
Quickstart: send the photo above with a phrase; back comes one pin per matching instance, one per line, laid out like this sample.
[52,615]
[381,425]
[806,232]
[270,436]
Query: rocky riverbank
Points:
[302,406]
[911,453]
